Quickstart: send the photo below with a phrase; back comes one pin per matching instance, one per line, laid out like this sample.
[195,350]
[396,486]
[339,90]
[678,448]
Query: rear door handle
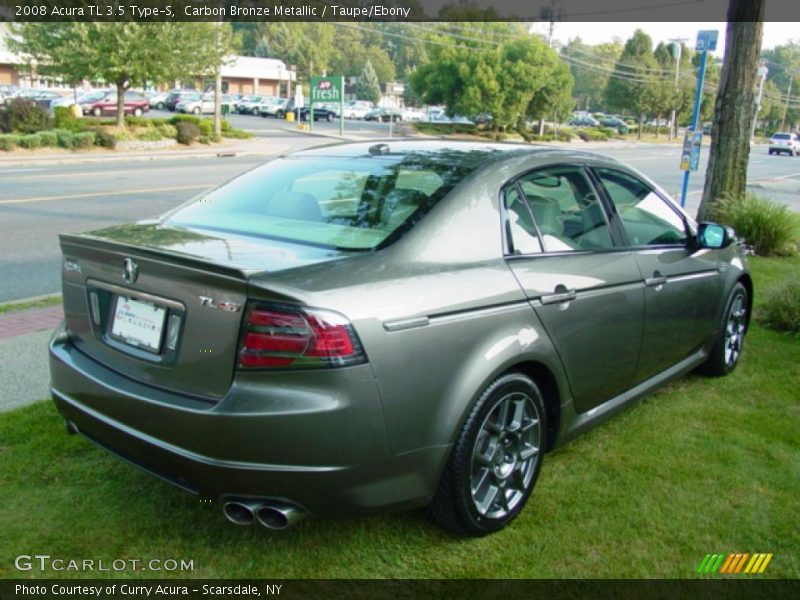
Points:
[559,297]
[657,280]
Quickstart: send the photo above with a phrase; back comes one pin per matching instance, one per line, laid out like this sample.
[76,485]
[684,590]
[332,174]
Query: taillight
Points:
[288,337]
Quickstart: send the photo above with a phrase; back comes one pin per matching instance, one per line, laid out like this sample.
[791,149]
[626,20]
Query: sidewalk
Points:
[23,354]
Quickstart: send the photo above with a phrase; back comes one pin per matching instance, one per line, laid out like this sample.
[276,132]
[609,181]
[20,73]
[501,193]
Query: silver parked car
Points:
[383,326]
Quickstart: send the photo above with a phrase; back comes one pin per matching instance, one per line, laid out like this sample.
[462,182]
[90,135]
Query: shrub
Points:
[781,308]
[184,119]
[104,139]
[204,139]
[767,226]
[32,140]
[592,135]
[85,139]
[64,138]
[238,134]
[166,130]
[225,125]
[206,127]
[9,141]
[187,132]
[134,121]
[49,138]
[22,116]
[150,135]
[63,118]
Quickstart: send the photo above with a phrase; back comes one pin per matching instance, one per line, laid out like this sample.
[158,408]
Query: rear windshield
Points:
[356,203]
[781,136]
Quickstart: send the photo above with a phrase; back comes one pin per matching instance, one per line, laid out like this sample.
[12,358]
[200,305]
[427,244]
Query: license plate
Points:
[138,323]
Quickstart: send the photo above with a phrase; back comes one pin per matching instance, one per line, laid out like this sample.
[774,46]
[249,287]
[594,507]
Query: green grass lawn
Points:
[702,466]
[40,302]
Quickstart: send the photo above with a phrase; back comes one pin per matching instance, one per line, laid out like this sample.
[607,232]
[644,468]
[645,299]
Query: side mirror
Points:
[714,236]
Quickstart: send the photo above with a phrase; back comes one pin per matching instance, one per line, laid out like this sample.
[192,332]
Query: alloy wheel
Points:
[734,330]
[504,455]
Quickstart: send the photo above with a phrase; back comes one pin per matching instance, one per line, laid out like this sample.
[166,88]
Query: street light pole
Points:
[786,106]
[762,72]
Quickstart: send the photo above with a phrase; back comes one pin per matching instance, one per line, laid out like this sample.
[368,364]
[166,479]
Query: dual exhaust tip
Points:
[272,515]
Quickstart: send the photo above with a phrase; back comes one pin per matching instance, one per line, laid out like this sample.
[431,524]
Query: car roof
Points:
[472,154]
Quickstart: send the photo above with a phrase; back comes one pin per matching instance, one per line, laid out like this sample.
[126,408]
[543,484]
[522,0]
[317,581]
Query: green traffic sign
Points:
[327,89]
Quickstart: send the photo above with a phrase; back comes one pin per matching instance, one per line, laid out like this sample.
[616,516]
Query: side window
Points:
[566,210]
[520,230]
[647,218]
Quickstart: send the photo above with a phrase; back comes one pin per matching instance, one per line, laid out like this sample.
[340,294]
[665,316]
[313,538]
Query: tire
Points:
[160,106]
[279,114]
[727,348]
[196,111]
[771,152]
[137,112]
[97,112]
[480,495]
[329,118]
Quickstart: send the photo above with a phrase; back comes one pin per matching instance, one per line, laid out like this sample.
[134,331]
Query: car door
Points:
[585,290]
[682,283]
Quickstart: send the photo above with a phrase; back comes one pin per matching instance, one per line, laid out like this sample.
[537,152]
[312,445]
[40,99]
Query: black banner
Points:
[384,10]
[132,589]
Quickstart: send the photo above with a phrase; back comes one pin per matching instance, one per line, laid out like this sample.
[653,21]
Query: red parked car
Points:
[136,104]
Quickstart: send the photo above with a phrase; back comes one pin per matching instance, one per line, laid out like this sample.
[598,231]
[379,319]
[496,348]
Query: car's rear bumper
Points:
[297,439]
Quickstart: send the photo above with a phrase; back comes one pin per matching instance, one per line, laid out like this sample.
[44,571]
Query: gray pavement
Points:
[25,373]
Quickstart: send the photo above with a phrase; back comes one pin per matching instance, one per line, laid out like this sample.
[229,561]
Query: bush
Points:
[151,135]
[63,118]
[30,141]
[184,119]
[187,132]
[85,139]
[49,139]
[22,116]
[238,134]
[592,135]
[204,139]
[167,131]
[9,141]
[771,228]
[64,138]
[781,308]
[104,139]
[206,127]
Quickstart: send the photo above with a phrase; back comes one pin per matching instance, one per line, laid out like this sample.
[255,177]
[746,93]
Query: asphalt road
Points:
[40,201]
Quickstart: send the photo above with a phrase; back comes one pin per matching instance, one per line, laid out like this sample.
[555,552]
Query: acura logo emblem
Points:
[130,270]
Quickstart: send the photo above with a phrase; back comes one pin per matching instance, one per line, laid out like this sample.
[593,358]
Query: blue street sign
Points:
[706,40]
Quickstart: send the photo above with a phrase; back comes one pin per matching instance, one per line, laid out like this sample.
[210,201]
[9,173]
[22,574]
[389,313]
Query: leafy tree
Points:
[592,77]
[368,87]
[123,54]
[784,68]
[555,100]
[726,174]
[635,85]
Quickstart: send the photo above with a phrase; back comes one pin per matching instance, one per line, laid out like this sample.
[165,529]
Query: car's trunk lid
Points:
[174,323]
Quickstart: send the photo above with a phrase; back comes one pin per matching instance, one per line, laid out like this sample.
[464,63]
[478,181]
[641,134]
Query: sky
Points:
[775,33]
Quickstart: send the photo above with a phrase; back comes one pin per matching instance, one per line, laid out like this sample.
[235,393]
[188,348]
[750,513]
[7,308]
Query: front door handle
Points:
[656,281]
[561,294]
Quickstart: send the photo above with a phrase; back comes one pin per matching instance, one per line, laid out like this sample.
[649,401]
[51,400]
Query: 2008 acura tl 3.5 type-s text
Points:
[360,328]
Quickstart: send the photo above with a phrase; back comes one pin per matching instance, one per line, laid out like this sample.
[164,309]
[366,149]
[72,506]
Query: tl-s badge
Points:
[222,305]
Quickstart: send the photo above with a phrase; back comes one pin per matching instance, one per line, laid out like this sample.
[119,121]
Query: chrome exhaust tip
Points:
[241,512]
[278,516]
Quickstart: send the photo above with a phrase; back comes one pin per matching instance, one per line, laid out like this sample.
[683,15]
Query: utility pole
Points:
[786,106]
[218,85]
[762,74]
[678,45]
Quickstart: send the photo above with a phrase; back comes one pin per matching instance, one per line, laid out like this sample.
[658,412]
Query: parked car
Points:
[236,98]
[357,109]
[246,105]
[7,92]
[320,114]
[197,105]
[366,327]
[584,121]
[785,142]
[134,103]
[158,100]
[438,117]
[413,114]
[176,96]
[275,109]
[384,115]
[615,123]
[84,97]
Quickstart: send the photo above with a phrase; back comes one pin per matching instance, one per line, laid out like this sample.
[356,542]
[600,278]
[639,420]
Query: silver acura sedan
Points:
[369,327]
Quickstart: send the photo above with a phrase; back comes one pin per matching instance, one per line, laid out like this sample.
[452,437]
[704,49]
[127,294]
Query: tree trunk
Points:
[121,104]
[726,175]
[218,90]
[658,125]
[641,126]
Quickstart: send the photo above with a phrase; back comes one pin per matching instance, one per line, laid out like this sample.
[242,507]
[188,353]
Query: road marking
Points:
[114,171]
[4,171]
[99,194]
